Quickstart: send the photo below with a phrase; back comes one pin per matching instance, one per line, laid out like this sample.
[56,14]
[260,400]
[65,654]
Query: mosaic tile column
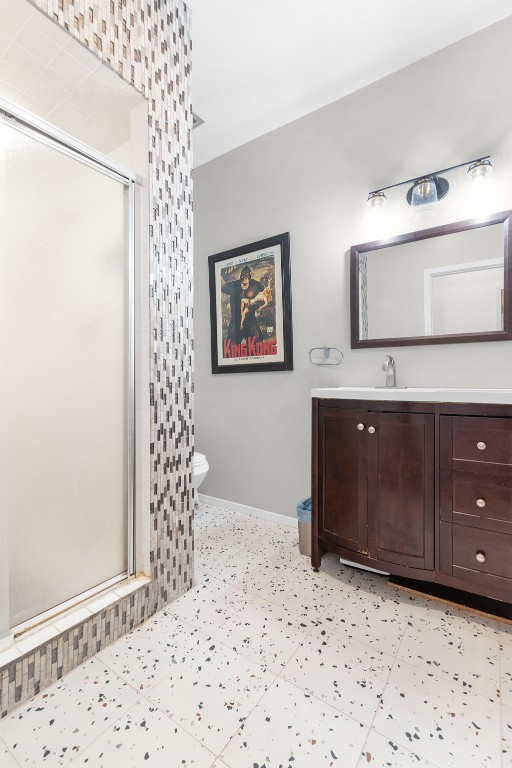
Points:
[363,298]
[148,44]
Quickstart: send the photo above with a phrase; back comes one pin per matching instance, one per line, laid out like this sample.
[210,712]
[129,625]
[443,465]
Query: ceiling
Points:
[259,64]
[48,73]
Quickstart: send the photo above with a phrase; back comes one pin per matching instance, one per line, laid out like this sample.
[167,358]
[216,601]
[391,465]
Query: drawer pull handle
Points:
[481,446]
[360,427]
[480,503]
[371,430]
[480,556]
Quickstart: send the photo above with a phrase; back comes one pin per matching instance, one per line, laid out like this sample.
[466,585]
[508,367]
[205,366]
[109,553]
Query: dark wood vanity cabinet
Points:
[374,492]
[400,494]
[420,490]
[476,500]
[343,482]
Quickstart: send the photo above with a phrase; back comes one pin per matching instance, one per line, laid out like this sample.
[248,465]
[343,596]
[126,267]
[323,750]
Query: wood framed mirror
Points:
[442,285]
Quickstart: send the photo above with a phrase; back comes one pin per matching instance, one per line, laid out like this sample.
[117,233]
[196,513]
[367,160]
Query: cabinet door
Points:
[342,478]
[401,488]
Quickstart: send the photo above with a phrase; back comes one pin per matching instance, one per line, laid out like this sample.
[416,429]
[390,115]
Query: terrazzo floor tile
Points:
[204,526]
[440,721]
[292,558]
[504,630]
[381,752]
[211,548]
[61,722]
[372,583]
[369,583]
[342,672]
[279,554]
[258,595]
[206,567]
[212,693]
[207,550]
[456,653]
[147,654]
[248,573]
[427,613]
[268,634]
[331,565]
[230,532]
[371,619]
[307,593]
[281,536]
[506,673]
[145,736]
[208,605]
[208,517]
[291,729]
[209,511]
[243,528]
[506,737]
[287,555]
[6,759]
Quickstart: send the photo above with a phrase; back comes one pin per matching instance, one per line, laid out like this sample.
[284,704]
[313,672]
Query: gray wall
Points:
[311,178]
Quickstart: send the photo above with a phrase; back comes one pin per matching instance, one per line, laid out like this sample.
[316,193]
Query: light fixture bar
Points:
[427,175]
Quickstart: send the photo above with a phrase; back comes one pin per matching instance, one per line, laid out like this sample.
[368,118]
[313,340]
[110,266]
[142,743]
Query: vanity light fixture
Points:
[480,169]
[376,200]
[430,188]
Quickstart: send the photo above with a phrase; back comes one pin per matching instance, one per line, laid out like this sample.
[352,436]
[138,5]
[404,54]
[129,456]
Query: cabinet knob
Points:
[481,446]
[360,427]
[480,503]
[480,556]
[371,430]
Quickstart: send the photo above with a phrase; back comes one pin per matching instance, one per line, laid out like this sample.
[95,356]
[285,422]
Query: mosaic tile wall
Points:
[148,44]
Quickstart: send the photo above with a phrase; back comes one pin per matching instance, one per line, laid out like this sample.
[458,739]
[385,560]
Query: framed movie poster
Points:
[251,307]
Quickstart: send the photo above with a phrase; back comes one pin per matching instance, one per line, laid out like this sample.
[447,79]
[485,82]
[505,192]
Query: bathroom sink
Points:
[424,394]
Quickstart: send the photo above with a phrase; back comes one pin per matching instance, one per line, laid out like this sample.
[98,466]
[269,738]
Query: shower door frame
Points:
[45,133]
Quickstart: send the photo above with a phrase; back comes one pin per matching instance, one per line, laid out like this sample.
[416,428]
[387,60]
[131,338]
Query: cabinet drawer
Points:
[485,497]
[482,439]
[479,552]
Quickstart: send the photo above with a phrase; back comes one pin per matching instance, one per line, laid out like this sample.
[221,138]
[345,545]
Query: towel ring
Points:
[326,355]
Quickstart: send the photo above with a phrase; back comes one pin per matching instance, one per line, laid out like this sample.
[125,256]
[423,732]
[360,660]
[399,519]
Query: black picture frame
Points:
[251,307]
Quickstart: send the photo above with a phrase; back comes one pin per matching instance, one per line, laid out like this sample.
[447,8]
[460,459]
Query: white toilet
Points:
[200,469]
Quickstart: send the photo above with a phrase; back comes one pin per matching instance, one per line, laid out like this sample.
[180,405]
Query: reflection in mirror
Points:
[464,298]
[438,285]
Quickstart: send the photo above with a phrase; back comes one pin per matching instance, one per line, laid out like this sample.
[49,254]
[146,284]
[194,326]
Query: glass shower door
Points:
[64,391]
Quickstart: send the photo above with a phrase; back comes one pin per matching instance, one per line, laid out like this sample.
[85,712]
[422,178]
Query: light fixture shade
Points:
[479,170]
[376,200]
[424,192]
[427,191]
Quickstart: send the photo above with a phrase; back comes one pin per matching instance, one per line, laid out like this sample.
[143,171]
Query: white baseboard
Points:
[245,510]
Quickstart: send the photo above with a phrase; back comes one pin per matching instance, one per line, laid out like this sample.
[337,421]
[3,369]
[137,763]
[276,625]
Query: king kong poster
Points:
[248,308]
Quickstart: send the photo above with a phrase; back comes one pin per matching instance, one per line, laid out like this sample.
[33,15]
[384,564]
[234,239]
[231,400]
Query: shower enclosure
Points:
[66,370]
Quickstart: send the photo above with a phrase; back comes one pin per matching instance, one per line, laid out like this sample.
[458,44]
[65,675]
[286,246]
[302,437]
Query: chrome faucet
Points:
[390,367]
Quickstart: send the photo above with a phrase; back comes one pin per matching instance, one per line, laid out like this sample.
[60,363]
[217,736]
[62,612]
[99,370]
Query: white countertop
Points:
[419,394]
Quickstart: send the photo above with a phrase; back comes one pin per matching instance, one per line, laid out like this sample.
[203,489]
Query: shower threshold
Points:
[28,636]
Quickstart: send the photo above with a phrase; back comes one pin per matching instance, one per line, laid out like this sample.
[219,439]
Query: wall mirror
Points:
[441,285]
